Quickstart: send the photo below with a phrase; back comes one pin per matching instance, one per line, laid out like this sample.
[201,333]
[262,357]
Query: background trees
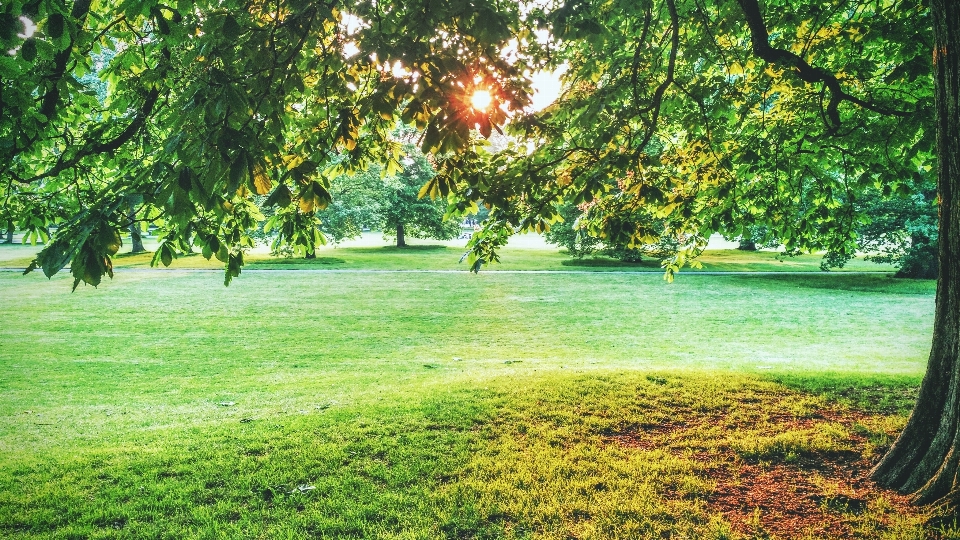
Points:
[388,203]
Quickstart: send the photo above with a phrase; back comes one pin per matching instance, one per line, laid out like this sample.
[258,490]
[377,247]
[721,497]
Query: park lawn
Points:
[410,405]
[428,255]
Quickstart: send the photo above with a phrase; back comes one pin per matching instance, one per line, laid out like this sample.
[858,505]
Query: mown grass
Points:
[359,405]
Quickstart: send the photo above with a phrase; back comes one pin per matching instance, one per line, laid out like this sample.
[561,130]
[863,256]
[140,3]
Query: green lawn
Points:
[448,405]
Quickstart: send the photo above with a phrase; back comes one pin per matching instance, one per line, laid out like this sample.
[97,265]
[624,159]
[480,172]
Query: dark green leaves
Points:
[92,260]
[280,197]
[165,254]
[28,51]
[10,26]
[231,28]
[55,24]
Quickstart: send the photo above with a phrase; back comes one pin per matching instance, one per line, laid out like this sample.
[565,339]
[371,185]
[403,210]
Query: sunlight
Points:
[481,100]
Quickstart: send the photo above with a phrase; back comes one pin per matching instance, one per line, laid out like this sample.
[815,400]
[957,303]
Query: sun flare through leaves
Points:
[481,100]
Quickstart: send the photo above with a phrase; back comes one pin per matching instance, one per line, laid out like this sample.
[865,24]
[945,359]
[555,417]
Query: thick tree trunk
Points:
[9,239]
[136,240]
[400,240]
[924,459]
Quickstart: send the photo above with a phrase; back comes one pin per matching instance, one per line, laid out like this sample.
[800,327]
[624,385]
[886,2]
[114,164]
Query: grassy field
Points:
[452,405]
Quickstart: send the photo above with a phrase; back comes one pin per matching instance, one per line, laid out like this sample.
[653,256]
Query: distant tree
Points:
[579,234]
[405,213]
[390,203]
[136,239]
[7,223]
[899,229]
[902,231]
[357,202]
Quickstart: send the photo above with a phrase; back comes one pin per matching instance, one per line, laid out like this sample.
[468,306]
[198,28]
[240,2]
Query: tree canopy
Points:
[706,115]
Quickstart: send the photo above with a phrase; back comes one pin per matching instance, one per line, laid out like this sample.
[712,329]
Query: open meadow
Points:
[398,404]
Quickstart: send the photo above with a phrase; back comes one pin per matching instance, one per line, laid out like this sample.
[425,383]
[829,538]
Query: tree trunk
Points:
[312,254]
[924,459]
[400,240]
[136,240]
[9,239]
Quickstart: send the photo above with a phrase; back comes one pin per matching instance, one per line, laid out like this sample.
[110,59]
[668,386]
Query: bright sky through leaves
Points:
[481,100]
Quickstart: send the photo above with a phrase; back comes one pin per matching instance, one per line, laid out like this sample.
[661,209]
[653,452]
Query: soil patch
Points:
[810,495]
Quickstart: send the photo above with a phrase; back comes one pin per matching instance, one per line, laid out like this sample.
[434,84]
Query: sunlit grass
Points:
[367,405]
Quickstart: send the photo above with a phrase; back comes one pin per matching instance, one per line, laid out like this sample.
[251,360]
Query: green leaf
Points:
[166,254]
[9,26]
[55,24]
[231,28]
[184,179]
[281,197]
[29,50]
[238,172]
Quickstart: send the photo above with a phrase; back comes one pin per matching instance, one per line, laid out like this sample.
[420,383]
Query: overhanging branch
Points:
[760,39]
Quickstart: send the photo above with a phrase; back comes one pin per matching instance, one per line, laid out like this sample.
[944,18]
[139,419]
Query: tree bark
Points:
[136,240]
[401,242]
[9,239]
[924,459]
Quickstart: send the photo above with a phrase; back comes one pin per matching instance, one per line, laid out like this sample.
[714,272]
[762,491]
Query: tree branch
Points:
[101,147]
[760,40]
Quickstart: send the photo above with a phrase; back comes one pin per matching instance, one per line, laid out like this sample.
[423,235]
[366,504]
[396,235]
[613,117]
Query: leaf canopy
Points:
[715,116]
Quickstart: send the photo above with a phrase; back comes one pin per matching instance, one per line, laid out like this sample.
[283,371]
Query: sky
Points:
[546,88]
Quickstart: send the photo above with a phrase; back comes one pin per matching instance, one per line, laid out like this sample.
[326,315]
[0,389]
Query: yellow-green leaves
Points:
[261,182]
[313,196]
[437,187]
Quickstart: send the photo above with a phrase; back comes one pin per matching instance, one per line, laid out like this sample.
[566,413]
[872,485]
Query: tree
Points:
[357,202]
[136,238]
[902,231]
[733,117]
[897,230]
[729,115]
[577,232]
[406,213]
[388,203]
[925,456]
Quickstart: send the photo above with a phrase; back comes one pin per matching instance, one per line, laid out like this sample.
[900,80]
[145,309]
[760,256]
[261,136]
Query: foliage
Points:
[372,199]
[718,117]
[573,232]
[902,231]
[208,104]
[715,117]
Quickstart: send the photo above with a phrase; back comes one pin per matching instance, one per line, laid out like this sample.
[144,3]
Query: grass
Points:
[499,405]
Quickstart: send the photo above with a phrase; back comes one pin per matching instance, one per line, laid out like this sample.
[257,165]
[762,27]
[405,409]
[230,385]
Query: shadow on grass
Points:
[610,263]
[419,247]
[319,261]
[882,283]
[883,394]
